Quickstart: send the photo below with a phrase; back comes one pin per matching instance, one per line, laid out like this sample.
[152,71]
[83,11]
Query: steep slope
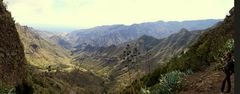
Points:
[174,44]
[12,58]
[117,34]
[212,77]
[40,52]
[203,58]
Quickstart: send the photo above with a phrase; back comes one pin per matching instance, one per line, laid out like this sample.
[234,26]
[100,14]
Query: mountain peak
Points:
[183,30]
[146,37]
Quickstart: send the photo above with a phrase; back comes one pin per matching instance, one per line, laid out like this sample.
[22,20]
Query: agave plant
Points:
[169,83]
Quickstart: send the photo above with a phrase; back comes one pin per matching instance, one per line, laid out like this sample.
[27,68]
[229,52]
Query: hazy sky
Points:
[61,15]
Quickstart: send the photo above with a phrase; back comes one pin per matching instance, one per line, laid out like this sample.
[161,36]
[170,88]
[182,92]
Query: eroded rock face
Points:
[12,58]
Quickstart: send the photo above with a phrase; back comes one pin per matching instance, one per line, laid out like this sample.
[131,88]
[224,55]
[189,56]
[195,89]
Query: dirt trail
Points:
[205,82]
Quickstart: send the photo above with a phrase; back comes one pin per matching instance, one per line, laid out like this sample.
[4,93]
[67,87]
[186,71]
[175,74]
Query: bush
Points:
[169,83]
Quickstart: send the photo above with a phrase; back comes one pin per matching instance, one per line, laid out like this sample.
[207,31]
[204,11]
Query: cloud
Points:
[89,13]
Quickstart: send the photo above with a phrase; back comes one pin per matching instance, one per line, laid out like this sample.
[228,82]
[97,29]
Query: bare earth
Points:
[205,82]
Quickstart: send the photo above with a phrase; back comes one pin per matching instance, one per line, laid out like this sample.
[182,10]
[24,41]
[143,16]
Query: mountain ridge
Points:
[117,34]
[107,35]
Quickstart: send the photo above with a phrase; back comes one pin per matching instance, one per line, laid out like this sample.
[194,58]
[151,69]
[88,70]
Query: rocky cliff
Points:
[12,58]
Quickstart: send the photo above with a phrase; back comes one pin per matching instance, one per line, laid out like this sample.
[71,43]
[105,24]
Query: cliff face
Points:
[12,58]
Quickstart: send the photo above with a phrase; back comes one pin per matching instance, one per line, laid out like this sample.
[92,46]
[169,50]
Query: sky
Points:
[68,15]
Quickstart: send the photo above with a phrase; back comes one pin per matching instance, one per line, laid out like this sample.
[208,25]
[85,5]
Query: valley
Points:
[103,63]
[162,57]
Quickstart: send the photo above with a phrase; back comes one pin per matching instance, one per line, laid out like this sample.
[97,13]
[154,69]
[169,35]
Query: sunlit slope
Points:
[40,52]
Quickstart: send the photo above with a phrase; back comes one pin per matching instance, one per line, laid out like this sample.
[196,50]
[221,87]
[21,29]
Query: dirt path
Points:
[205,82]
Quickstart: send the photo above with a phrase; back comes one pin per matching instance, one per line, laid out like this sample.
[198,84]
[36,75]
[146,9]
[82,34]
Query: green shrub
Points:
[228,46]
[169,83]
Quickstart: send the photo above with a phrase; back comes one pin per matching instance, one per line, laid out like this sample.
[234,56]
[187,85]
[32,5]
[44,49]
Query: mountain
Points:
[40,62]
[117,34]
[46,34]
[12,58]
[57,38]
[175,43]
[201,61]
[106,61]
[43,34]
[40,52]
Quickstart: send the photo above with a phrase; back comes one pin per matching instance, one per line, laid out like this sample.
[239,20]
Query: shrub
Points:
[169,83]
[144,91]
[228,46]
[189,72]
